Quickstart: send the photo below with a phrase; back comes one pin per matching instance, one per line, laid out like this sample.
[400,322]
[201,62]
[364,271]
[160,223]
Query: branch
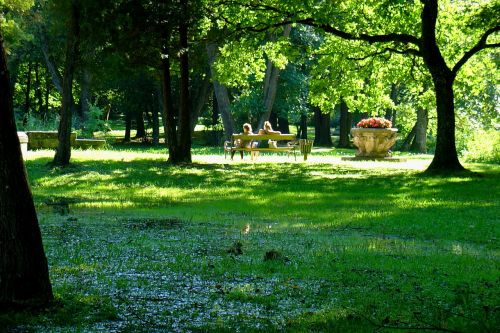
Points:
[49,61]
[481,45]
[392,37]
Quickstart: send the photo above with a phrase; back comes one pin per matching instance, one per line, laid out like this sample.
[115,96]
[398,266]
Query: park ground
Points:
[137,245]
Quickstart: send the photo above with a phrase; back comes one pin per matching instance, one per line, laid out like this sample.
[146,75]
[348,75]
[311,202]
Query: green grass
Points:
[136,245]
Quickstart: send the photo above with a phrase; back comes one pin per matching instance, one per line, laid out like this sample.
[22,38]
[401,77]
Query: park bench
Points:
[304,146]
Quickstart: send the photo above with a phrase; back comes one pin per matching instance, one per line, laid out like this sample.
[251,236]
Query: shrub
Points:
[484,147]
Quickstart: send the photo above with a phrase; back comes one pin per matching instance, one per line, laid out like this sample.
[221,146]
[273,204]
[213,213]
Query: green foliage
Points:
[483,146]
[33,122]
[94,121]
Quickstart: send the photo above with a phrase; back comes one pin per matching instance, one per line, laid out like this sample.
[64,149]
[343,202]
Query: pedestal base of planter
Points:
[381,159]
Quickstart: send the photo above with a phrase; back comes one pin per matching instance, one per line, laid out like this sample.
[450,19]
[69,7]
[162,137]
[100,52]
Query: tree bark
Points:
[345,125]
[84,108]
[63,151]
[168,109]
[410,137]
[139,124]
[200,100]
[128,125]
[24,274]
[390,114]
[38,90]
[27,99]
[283,125]
[221,94]
[322,129]
[303,126]
[271,84]
[156,125]
[183,152]
[445,157]
[57,79]
[419,144]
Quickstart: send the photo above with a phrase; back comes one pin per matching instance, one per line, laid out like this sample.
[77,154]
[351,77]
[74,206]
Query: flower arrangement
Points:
[374,122]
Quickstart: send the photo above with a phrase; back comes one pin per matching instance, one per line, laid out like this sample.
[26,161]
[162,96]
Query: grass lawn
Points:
[136,245]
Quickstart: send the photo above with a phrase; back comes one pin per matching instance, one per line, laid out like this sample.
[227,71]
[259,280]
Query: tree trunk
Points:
[50,62]
[445,157]
[183,152]
[390,114]
[200,100]
[168,109]
[139,124]
[128,125]
[84,108]
[24,274]
[405,146]
[303,126]
[283,125]
[156,125]
[420,142]
[322,129]
[221,95]
[38,90]
[345,125]
[27,99]
[271,84]
[63,151]
[46,98]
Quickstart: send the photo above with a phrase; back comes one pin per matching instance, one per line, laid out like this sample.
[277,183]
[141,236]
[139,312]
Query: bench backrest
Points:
[258,137]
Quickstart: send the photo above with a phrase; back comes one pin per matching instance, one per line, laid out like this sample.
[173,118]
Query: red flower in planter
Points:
[375,122]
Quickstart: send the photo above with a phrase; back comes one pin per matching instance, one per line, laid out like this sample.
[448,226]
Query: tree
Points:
[24,276]
[63,151]
[402,27]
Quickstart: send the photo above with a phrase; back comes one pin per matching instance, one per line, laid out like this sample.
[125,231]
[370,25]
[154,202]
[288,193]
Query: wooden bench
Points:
[291,147]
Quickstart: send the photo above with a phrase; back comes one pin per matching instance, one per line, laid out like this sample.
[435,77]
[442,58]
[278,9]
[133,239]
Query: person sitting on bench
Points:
[247,129]
[268,129]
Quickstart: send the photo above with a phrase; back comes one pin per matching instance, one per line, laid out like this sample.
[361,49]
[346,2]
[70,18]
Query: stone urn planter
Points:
[374,142]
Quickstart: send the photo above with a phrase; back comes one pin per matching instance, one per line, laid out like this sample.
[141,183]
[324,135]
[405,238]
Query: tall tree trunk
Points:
[46,98]
[345,125]
[156,124]
[56,76]
[27,99]
[420,142]
[168,109]
[84,108]
[183,152]
[38,90]
[322,128]
[139,124]
[271,84]
[200,100]
[445,157]
[391,113]
[128,125]
[221,94]
[303,126]
[283,125]
[63,151]
[24,274]
[273,119]
[410,137]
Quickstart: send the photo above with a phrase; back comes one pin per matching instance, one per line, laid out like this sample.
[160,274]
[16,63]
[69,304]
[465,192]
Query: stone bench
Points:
[45,139]
[89,143]
[23,141]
